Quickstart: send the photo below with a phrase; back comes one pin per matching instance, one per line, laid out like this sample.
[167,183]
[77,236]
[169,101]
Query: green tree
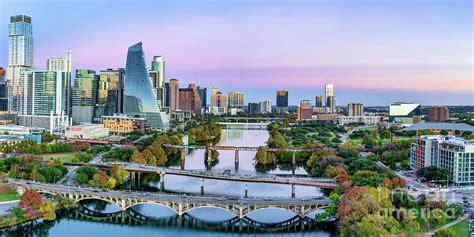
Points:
[148,156]
[137,157]
[262,157]
[445,232]
[438,217]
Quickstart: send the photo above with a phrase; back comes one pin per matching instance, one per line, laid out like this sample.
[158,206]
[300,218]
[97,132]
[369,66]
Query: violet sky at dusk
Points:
[373,51]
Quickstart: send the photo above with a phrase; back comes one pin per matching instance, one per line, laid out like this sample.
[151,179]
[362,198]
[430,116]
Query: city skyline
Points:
[436,61]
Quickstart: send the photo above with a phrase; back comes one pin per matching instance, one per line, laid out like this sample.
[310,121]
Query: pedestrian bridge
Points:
[180,204]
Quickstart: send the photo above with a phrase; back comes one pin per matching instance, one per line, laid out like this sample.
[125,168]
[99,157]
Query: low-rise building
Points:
[19,130]
[367,120]
[122,124]
[447,152]
[327,117]
[87,131]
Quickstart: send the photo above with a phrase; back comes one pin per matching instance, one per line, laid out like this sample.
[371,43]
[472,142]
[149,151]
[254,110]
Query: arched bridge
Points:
[239,148]
[241,207]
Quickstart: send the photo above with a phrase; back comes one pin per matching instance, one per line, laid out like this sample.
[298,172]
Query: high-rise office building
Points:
[218,102]
[189,99]
[63,64]
[84,96]
[281,101]
[266,106]
[157,74]
[109,93]
[172,94]
[3,91]
[306,104]
[254,108]
[331,104]
[236,99]
[355,109]
[20,55]
[438,113]
[304,111]
[139,98]
[203,96]
[319,101]
[328,91]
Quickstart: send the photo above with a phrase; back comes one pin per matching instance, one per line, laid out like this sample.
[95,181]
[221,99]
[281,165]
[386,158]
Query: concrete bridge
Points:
[180,204]
[135,169]
[236,149]
[246,126]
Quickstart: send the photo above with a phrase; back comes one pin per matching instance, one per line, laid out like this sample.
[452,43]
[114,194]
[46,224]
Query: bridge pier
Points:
[202,186]
[293,191]
[209,159]
[162,181]
[236,161]
[246,191]
[293,163]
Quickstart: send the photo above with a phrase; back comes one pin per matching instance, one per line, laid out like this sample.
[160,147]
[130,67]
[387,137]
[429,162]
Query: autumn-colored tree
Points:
[148,156]
[332,172]
[394,183]
[262,157]
[158,152]
[119,173]
[30,202]
[137,157]
[102,180]
[48,210]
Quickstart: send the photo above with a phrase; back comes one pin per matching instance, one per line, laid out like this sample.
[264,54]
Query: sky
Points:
[373,51]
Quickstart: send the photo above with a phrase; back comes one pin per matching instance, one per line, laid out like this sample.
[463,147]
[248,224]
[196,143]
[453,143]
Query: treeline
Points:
[30,147]
[203,132]
[33,168]
[96,178]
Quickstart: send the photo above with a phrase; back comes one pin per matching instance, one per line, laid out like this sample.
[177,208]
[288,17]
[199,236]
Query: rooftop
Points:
[440,126]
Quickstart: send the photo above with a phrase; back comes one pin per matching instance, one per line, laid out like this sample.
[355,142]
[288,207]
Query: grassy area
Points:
[461,228]
[64,157]
[9,196]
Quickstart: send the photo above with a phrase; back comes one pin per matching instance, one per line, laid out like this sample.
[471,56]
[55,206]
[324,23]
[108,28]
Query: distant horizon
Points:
[374,52]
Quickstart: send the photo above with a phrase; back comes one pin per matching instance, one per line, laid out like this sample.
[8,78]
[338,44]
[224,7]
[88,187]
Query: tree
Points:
[48,210]
[454,210]
[438,217]
[137,157]
[262,157]
[30,202]
[148,156]
[403,199]
[81,178]
[102,180]
[160,155]
[445,232]
[119,173]
[47,137]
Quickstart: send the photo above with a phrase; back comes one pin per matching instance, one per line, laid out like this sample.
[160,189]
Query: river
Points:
[97,218]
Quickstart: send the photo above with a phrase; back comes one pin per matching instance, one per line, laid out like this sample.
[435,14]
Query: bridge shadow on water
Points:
[233,225]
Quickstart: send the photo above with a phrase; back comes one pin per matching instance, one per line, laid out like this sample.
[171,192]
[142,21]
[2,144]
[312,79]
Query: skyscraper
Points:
[139,98]
[254,108]
[304,111]
[331,104]
[84,96]
[319,101]
[282,101]
[157,74]
[203,96]
[172,94]
[355,109]
[63,64]
[266,106]
[328,91]
[109,93]
[3,91]
[218,102]
[236,99]
[189,99]
[20,55]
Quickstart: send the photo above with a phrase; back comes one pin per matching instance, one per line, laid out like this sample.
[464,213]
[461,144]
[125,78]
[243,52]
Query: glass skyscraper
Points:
[20,55]
[139,97]
[109,94]
[84,96]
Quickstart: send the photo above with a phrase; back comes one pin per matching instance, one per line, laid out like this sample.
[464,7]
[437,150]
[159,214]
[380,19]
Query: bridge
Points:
[134,169]
[180,204]
[247,119]
[237,150]
[247,126]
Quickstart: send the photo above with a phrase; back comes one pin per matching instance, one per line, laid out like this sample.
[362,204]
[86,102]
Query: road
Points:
[133,167]
[164,197]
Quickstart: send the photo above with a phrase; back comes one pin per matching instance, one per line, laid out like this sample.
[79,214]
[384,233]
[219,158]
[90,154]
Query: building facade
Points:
[282,101]
[355,109]
[253,108]
[109,93]
[266,106]
[60,63]
[87,131]
[189,99]
[202,91]
[403,113]
[236,100]
[319,101]
[20,56]
[304,111]
[122,124]
[172,94]
[157,73]
[218,102]
[331,105]
[3,91]
[367,120]
[454,154]
[84,96]
[139,98]
[438,113]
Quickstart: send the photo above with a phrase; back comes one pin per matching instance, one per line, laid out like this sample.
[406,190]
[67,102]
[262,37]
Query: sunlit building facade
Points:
[109,93]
